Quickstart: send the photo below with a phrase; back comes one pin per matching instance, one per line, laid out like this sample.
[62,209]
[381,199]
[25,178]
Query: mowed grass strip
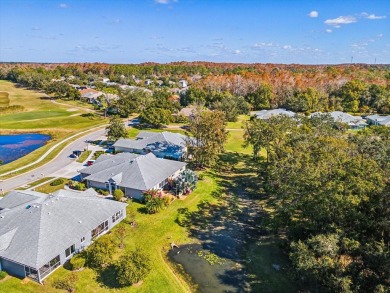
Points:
[84,155]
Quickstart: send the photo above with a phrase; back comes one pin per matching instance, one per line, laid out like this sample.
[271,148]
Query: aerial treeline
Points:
[352,96]
[330,197]
[307,89]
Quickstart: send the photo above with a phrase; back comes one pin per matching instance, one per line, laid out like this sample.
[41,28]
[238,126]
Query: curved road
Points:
[60,162]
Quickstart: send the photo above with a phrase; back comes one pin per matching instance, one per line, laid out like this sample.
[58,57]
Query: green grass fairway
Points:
[40,115]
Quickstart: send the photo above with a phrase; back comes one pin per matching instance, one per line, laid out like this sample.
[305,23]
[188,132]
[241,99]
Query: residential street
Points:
[62,165]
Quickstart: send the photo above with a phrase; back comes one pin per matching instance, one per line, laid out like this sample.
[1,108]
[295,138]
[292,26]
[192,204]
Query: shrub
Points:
[132,268]
[79,186]
[200,176]
[77,262]
[68,283]
[100,252]
[3,275]
[57,182]
[118,194]
[105,192]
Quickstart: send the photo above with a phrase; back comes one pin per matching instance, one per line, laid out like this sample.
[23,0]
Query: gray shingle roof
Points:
[162,141]
[107,161]
[34,232]
[266,114]
[142,173]
[339,116]
[381,120]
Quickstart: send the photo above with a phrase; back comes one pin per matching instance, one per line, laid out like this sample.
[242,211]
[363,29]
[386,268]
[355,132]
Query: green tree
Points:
[232,106]
[118,194]
[351,95]
[132,268]
[100,252]
[208,135]
[156,117]
[262,97]
[116,129]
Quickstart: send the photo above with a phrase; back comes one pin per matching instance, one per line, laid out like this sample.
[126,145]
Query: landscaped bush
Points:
[57,182]
[79,186]
[3,275]
[77,262]
[132,268]
[153,200]
[118,194]
[68,283]
[97,154]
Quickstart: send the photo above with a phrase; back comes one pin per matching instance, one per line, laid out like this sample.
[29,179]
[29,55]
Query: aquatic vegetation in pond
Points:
[210,257]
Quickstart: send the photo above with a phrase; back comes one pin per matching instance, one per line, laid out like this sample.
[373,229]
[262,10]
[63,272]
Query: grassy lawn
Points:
[47,188]
[239,123]
[40,114]
[84,155]
[133,132]
[35,183]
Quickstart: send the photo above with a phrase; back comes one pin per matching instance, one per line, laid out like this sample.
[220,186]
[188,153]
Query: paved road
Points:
[61,162]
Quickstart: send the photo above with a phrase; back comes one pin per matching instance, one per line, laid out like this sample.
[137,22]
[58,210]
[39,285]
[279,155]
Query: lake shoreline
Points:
[16,146]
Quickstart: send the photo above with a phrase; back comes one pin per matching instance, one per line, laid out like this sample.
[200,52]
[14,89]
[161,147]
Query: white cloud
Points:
[372,16]
[328,30]
[262,44]
[164,1]
[336,22]
[63,5]
[287,47]
[236,52]
[313,14]
[380,36]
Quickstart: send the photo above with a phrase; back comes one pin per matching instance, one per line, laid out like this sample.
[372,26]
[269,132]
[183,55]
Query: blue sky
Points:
[248,31]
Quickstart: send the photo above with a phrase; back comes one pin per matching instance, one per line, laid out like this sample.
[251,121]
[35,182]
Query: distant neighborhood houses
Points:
[40,232]
[353,122]
[132,173]
[266,114]
[162,145]
[378,120]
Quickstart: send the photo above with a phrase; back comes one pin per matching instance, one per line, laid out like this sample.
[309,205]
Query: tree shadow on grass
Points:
[107,277]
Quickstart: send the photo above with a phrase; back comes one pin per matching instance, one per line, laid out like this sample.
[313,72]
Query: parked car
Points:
[134,122]
[90,162]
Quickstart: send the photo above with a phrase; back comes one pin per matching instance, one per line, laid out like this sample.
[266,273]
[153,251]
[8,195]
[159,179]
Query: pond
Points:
[15,146]
[208,271]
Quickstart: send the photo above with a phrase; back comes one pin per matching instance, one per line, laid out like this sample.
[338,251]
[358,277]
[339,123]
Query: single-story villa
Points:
[354,122]
[167,145]
[379,120]
[40,232]
[132,173]
[266,114]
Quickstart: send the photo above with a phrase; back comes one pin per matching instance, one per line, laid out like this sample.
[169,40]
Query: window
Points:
[99,229]
[117,216]
[82,239]
[49,267]
[31,273]
[69,251]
